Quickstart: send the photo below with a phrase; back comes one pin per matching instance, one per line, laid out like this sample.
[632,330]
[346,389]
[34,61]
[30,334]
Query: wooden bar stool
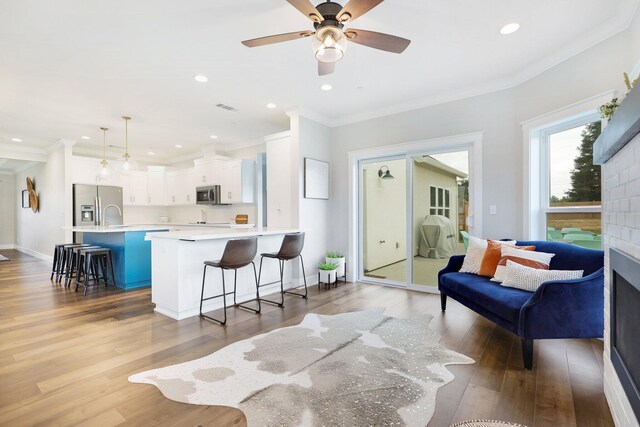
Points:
[237,253]
[291,248]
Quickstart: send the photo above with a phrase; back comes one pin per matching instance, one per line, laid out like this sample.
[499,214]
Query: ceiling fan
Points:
[330,38]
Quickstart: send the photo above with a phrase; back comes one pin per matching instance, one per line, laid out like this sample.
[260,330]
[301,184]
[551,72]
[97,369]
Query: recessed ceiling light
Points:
[151,153]
[200,78]
[85,137]
[16,139]
[213,136]
[326,87]
[178,146]
[510,28]
[271,105]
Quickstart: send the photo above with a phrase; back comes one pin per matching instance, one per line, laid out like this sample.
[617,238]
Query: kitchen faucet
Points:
[104,211]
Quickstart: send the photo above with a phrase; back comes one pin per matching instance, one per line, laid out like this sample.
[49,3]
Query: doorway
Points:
[412,212]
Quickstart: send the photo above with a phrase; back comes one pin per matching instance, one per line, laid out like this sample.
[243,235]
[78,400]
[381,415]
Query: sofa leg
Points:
[527,353]
[443,301]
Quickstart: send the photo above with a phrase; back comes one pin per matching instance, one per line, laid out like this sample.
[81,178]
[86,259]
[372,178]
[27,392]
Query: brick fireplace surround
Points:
[618,151]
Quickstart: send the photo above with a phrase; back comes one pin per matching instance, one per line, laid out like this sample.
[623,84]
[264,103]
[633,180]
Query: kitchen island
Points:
[177,259]
[130,252]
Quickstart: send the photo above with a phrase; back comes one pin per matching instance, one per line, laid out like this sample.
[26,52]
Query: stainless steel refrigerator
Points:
[96,205]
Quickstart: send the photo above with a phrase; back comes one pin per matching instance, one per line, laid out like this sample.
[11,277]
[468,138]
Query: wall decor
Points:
[25,199]
[316,179]
[33,196]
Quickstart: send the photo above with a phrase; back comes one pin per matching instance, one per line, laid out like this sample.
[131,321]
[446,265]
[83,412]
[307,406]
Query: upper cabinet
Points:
[237,181]
[181,187]
[207,172]
[86,170]
[135,190]
[156,186]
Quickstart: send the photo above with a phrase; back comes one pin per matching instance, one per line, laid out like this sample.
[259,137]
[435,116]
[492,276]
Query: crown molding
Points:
[627,13]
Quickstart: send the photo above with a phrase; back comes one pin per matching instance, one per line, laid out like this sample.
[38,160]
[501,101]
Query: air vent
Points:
[226,107]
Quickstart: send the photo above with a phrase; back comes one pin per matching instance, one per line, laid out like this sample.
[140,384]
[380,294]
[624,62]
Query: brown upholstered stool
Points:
[237,253]
[291,248]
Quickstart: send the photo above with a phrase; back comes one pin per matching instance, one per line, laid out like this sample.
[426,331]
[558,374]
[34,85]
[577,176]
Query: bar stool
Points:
[291,248]
[57,259]
[67,251]
[75,260]
[237,253]
[95,259]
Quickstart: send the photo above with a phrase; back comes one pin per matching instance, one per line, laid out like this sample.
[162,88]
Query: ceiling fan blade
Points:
[325,68]
[375,40]
[278,38]
[307,9]
[356,8]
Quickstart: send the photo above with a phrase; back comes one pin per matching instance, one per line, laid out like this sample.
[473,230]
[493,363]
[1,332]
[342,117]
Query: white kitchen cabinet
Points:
[134,188]
[157,190]
[207,172]
[181,187]
[86,170]
[237,181]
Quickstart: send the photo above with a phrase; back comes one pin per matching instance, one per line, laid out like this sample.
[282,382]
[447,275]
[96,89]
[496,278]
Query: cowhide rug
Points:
[357,369]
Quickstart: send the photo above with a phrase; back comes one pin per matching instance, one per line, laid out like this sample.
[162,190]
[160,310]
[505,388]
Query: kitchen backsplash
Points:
[187,214]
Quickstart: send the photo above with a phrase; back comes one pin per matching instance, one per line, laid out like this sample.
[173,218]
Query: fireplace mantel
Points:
[621,129]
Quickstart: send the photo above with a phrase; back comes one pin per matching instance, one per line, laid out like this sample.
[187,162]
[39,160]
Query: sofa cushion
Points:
[504,302]
[530,279]
[569,257]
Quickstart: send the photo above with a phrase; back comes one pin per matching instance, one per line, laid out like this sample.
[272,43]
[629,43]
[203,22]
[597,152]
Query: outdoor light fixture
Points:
[384,172]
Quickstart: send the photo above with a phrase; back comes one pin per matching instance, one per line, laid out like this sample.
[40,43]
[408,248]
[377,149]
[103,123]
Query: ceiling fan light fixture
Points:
[329,44]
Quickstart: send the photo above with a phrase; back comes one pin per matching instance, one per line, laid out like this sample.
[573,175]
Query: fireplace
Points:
[625,324]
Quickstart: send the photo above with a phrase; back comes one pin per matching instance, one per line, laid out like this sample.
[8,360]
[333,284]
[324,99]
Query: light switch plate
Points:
[493,209]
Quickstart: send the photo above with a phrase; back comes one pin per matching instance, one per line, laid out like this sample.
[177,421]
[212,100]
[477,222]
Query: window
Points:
[562,184]
[573,207]
[439,201]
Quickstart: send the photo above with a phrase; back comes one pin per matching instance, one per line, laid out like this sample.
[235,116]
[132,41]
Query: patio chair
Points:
[577,236]
[589,244]
[553,235]
[465,239]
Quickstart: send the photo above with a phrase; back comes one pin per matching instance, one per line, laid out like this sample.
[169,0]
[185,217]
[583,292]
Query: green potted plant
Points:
[327,272]
[338,259]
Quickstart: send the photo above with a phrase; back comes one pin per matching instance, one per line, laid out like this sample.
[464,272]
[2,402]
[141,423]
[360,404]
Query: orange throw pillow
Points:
[492,257]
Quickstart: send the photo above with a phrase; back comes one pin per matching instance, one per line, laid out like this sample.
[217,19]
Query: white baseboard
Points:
[47,258]
[7,246]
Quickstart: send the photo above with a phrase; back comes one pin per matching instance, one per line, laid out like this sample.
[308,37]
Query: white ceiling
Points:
[68,67]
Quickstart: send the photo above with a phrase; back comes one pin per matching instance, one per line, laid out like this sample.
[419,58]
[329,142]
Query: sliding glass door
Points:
[413,215]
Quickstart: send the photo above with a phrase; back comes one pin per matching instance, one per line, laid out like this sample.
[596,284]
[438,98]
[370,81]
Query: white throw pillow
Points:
[530,279]
[540,260]
[475,253]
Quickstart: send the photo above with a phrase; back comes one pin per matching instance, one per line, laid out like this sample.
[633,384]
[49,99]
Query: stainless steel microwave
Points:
[209,195]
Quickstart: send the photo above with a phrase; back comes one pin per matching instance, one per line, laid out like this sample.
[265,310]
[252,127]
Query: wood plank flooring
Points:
[65,358]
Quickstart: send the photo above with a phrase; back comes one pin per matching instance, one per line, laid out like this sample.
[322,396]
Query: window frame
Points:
[536,133]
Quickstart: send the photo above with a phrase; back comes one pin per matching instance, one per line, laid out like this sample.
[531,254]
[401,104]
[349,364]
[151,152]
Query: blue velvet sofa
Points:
[558,309]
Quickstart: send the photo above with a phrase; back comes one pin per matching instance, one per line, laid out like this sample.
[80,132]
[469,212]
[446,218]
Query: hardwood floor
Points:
[65,359]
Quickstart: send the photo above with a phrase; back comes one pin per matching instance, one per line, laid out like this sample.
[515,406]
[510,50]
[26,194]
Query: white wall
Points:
[38,233]
[9,202]
[314,142]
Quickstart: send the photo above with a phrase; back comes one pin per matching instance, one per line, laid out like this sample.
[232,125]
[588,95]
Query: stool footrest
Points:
[217,296]
[243,306]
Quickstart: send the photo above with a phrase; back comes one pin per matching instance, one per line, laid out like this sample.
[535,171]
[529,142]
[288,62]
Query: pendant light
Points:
[129,164]
[105,168]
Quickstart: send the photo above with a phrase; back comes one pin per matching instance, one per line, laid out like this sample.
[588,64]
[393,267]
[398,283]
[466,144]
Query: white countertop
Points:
[219,233]
[155,227]
[116,228]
